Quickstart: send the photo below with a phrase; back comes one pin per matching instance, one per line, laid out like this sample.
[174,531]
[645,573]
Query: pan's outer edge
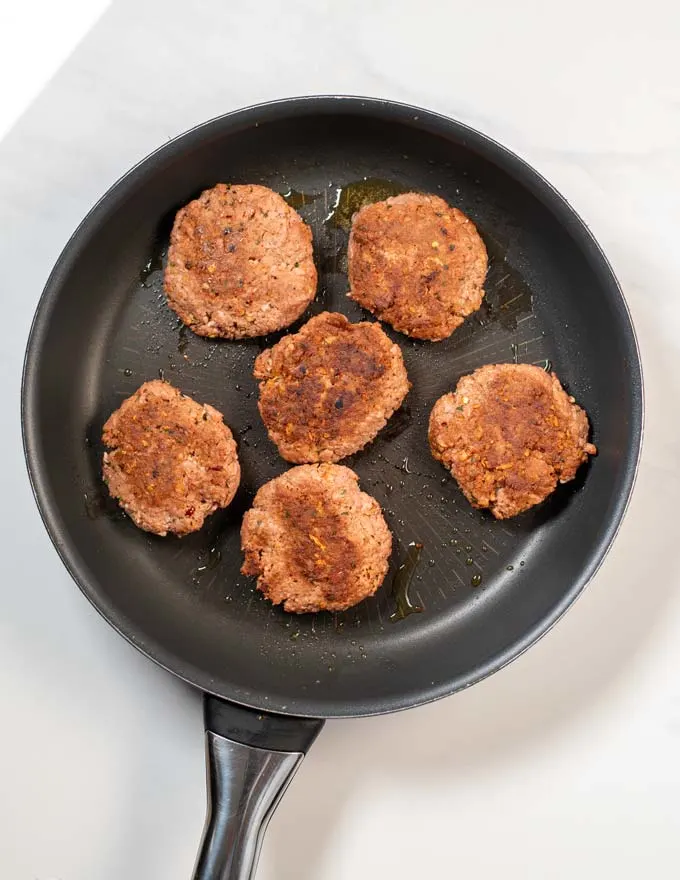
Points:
[377,108]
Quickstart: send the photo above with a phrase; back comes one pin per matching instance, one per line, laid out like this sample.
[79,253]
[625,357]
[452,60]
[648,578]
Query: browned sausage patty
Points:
[315,541]
[240,263]
[508,434]
[327,390]
[170,461]
[416,263]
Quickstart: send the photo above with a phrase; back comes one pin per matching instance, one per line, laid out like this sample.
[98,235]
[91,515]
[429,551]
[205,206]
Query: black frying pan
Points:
[487,589]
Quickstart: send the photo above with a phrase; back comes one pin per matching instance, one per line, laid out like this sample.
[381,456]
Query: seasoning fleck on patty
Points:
[326,391]
[315,541]
[417,263]
[240,263]
[509,434]
[170,461]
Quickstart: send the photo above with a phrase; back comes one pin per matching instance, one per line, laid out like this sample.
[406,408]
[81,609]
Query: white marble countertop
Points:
[566,764]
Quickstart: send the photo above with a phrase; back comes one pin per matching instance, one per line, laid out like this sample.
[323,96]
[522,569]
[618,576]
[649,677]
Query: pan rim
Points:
[256,114]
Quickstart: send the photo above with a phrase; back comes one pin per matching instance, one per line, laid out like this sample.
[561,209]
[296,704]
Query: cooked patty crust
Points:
[509,434]
[327,390]
[170,461]
[315,541]
[417,263]
[240,263]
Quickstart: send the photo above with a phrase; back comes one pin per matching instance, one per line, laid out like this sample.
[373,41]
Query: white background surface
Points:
[564,765]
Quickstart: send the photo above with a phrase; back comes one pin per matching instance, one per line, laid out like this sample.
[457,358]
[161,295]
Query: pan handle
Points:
[251,757]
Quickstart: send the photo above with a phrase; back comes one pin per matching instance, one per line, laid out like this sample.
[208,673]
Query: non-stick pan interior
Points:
[486,588]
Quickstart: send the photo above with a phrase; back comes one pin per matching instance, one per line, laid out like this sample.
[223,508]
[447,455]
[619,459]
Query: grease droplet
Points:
[183,340]
[353,196]
[402,582]
[298,199]
[207,563]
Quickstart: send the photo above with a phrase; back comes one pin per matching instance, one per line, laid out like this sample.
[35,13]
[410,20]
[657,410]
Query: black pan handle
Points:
[251,757]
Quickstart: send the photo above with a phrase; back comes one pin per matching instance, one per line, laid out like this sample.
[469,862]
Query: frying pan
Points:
[481,592]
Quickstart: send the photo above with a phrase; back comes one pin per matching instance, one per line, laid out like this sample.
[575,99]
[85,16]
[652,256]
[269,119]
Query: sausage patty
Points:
[508,434]
[240,263]
[170,461]
[416,263]
[315,541]
[327,390]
